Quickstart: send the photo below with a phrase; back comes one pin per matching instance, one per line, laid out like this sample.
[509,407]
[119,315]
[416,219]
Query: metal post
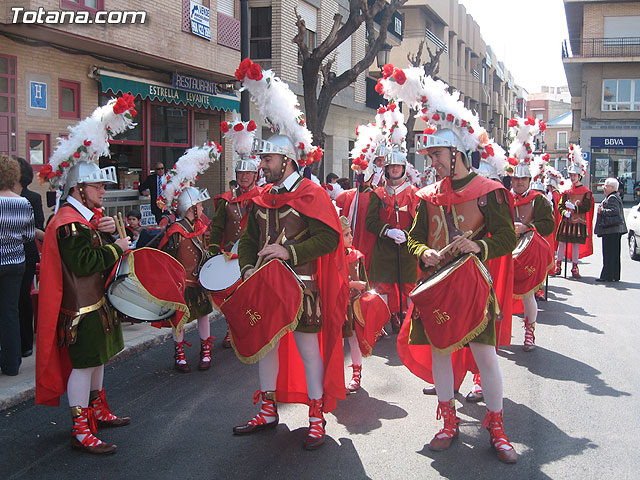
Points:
[244,53]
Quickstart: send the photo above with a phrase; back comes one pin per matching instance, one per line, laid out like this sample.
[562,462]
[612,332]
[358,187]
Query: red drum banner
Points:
[532,259]
[262,310]
[453,303]
[372,314]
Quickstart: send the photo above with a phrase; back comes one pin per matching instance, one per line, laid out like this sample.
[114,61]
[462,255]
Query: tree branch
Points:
[300,38]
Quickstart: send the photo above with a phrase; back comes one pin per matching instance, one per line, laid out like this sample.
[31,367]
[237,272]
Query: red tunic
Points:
[363,239]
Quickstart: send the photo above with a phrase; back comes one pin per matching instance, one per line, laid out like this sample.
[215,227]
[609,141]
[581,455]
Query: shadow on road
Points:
[537,440]
[349,412]
[549,314]
[548,364]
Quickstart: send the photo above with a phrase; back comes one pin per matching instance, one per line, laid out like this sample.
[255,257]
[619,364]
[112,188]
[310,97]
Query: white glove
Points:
[567,214]
[396,235]
[569,205]
[378,175]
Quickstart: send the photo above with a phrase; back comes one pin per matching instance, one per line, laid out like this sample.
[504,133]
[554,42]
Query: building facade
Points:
[602,63]
[176,57]
[468,65]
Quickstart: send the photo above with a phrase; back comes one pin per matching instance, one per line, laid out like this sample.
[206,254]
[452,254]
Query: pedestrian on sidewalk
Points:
[610,226]
[16,228]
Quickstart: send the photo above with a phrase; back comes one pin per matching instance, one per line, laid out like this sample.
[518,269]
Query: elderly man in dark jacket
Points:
[610,225]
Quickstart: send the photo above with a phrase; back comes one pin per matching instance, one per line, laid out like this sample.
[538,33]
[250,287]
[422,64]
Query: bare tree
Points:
[319,60]
[431,68]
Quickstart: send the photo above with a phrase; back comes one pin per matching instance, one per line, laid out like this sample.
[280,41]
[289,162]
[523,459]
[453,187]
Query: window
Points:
[38,146]
[562,141]
[343,62]
[91,5]
[69,99]
[620,95]
[8,99]
[260,32]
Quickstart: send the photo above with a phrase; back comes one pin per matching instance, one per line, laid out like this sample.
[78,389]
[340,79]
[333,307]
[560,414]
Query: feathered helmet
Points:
[73,161]
[443,111]
[577,163]
[391,122]
[177,191]
[242,135]
[522,132]
[279,106]
[369,144]
[554,178]
[537,170]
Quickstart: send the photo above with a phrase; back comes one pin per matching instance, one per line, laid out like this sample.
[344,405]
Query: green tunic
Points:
[93,347]
[384,258]
[217,227]
[543,220]
[582,232]
[498,222]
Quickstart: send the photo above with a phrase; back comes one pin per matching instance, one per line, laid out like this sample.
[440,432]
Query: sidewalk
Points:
[137,337]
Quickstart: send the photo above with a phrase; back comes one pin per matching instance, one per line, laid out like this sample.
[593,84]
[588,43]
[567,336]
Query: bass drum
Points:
[221,272]
[127,294]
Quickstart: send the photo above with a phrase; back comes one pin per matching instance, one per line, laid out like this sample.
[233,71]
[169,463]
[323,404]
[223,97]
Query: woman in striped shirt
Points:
[16,228]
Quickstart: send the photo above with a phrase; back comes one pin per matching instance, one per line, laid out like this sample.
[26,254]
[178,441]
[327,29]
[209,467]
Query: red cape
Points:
[244,198]
[311,200]
[363,239]
[417,358]
[586,248]
[53,365]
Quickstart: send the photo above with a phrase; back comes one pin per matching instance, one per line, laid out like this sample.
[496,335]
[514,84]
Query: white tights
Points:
[487,361]
[530,308]
[354,350]
[575,251]
[81,382]
[204,330]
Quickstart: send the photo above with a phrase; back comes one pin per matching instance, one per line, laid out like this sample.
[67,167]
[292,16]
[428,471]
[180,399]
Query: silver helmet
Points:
[246,164]
[88,172]
[442,138]
[189,197]
[537,185]
[573,168]
[522,170]
[277,144]
[487,170]
[395,157]
[383,150]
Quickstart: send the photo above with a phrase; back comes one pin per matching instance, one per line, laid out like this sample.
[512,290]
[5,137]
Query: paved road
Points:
[571,410]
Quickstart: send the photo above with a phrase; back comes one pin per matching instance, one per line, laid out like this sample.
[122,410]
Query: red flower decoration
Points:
[387,70]
[364,165]
[399,76]
[255,72]
[546,157]
[463,123]
[381,110]
[76,154]
[485,154]
[392,107]
[489,150]
[218,146]
[429,131]
[450,117]
[87,143]
[300,146]
[241,72]
[238,127]
[224,126]
[530,121]
[512,161]
[436,117]
[543,126]
[45,171]
[471,130]
[252,126]
[120,106]
[513,122]
[64,164]
[379,88]
[423,99]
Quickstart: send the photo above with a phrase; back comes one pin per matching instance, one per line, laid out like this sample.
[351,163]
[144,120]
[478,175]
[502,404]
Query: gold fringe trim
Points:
[158,301]
[274,341]
[540,285]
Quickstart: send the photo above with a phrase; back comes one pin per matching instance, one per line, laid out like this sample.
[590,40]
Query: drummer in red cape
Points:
[312,246]
[460,202]
[184,241]
[393,269]
[230,217]
[575,232]
[78,330]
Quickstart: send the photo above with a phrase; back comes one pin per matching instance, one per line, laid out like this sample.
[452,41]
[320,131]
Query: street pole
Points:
[244,53]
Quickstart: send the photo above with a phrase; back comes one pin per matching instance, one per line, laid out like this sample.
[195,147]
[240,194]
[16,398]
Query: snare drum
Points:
[371,314]
[453,303]
[221,272]
[532,260]
[263,309]
[147,285]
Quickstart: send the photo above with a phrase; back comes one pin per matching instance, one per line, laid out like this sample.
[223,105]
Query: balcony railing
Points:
[605,47]
[436,40]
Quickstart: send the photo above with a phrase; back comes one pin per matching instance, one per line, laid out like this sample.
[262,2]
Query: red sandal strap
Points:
[316,429]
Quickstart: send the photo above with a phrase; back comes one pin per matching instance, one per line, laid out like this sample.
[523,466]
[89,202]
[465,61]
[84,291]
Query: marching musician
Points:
[462,201]
[312,240]
[230,217]
[576,207]
[532,212]
[357,284]
[78,330]
[184,241]
[391,210]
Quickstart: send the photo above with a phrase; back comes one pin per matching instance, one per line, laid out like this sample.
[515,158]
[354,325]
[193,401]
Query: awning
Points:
[123,83]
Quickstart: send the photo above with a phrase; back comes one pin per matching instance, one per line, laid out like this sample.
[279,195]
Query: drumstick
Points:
[277,242]
[444,250]
[119,227]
